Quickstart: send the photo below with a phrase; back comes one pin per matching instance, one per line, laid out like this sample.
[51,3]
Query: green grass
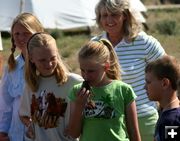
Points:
[69,44]
[68,48]
[171,43]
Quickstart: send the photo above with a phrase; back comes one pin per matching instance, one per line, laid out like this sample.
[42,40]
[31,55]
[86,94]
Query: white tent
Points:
[1,47]
[137,7]
[61,14]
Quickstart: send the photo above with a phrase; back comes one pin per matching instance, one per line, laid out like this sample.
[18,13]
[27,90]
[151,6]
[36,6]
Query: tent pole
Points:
[21,6]
[1,47]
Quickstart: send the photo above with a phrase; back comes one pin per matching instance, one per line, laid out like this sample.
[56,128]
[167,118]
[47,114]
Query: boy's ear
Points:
[165,82]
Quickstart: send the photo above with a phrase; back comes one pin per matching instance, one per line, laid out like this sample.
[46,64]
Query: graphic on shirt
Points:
[46,109]
[100,108]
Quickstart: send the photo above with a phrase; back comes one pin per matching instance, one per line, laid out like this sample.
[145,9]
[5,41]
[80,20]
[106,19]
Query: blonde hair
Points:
[131,26]
[102,51]
[32,24]
[42,40]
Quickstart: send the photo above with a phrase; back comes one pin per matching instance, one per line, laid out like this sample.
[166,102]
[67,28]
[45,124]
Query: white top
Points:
[49,85]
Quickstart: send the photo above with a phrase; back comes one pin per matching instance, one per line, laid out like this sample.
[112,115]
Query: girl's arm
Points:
[75,122]
[76,114]
[132,122]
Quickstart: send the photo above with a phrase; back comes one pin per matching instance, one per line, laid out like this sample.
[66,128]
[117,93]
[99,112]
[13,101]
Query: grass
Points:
[69,44]
[171,43]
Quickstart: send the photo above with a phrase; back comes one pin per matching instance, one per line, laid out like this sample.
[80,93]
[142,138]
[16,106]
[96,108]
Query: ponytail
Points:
[114,70]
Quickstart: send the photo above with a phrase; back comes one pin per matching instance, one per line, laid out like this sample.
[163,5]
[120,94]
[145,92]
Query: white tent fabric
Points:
[137,8]
[65,14]
[10,9]
[61,14]
[137,5]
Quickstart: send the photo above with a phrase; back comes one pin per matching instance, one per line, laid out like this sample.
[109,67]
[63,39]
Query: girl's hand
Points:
[25,120]
[82,97]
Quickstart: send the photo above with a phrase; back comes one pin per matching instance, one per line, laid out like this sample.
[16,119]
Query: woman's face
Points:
[112,23]
[45,59]
[21,36]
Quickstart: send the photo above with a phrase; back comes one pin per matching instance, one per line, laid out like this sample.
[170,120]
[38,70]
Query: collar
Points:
[20,61]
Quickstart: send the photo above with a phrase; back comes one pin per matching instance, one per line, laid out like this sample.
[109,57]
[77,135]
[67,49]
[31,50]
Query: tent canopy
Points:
[61,14]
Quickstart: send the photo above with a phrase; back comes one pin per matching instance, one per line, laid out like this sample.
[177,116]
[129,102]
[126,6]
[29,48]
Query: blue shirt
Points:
[11,89]
[169,117]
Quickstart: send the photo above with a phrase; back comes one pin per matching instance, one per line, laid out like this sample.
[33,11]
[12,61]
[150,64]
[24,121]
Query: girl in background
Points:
[12,82]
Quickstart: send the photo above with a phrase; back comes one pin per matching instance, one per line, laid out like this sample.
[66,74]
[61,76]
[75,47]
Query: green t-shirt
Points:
[106,120]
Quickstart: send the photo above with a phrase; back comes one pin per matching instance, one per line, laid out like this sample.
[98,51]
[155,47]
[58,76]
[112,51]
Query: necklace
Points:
[170,103]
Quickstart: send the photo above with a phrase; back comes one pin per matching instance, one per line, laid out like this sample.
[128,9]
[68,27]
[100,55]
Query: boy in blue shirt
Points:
[162,78]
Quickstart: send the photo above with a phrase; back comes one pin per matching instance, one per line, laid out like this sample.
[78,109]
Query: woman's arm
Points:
[132,122]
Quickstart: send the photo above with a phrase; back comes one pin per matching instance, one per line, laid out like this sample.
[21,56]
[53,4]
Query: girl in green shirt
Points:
[105,110]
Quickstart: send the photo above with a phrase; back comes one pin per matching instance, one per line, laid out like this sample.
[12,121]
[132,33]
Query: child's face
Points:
[153,86]
[21,35]
[45,60]
[92,72]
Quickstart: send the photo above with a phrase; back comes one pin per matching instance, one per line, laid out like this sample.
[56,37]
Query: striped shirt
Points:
[133,58]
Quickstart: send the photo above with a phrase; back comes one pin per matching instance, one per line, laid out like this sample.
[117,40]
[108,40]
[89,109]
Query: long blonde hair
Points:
[102,51]
[32,24]
[131,26]
[42,40]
